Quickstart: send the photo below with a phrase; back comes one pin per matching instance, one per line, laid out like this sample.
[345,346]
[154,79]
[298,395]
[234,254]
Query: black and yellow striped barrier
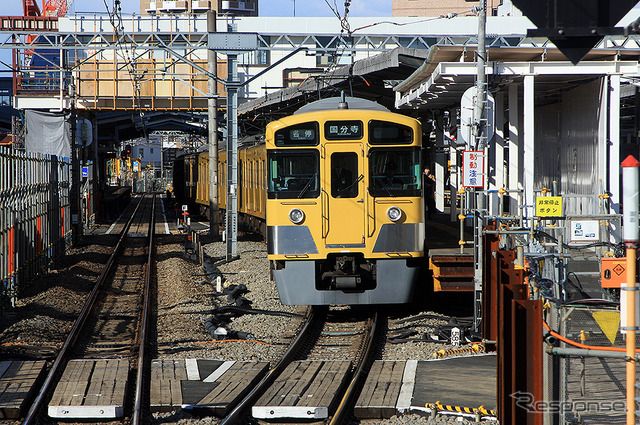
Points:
[467,349]
[438,406]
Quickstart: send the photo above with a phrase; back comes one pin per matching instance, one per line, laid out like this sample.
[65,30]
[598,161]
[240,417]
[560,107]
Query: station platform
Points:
[452,268]
[165,221]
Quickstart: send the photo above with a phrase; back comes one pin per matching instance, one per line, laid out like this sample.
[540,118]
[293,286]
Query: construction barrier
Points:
[35,217]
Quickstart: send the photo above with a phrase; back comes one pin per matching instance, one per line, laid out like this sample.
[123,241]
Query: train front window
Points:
[389,133]
[394,172]
[293,174]
[344,175]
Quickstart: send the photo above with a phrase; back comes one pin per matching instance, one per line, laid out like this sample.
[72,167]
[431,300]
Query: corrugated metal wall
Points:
[568,137]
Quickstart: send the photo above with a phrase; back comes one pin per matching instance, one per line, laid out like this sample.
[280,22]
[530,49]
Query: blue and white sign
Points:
[85,172]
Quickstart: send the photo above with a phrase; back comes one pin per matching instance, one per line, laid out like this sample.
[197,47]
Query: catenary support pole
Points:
[232,156]
[628,295]
[212,111]
[480,144]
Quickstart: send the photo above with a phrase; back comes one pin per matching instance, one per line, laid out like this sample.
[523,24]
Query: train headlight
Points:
[394,213]
[296,216]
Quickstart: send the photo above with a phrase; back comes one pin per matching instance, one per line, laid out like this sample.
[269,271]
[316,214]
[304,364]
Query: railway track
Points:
[324,336]
[113,321]
[334,335]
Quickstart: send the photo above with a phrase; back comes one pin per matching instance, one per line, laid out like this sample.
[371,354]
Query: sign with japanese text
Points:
[473,169]
[549,206]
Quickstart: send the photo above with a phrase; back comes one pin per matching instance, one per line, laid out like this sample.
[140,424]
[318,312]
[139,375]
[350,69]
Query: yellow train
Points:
[337,187]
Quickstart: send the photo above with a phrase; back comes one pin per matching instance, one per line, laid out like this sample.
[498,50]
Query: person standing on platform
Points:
[429,181]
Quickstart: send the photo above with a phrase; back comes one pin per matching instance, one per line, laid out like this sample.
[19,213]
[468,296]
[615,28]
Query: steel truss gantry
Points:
[190,32]
[184,37]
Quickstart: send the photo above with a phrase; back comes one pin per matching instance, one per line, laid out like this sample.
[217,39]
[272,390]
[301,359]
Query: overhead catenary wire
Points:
[115,18]
[346,29]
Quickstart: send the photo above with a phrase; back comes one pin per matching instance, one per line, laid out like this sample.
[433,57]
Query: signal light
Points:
[127,149]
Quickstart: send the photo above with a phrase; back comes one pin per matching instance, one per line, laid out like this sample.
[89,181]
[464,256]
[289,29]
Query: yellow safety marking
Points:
[469,410]
[609,322]
[469,349]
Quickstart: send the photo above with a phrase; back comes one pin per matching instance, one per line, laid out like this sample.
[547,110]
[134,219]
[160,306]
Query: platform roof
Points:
[450,70]
[116,126]
[369,78]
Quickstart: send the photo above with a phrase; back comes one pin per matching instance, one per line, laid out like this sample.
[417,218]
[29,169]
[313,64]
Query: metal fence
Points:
[35,217]
[590,390]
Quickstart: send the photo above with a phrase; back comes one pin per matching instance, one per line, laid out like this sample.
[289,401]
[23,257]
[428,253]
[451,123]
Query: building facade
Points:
[236,8]
[412,8]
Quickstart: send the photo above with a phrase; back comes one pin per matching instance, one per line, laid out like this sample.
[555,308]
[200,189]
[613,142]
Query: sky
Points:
[266,7]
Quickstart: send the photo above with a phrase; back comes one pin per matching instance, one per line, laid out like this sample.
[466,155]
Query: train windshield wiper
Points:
[308,185]
[344,189]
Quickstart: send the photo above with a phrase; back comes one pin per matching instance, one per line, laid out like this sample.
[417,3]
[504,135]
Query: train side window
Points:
[344,175]
[389,133]
[305,134]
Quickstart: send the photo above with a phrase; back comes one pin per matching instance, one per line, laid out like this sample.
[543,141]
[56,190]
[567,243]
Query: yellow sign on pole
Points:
[549,206]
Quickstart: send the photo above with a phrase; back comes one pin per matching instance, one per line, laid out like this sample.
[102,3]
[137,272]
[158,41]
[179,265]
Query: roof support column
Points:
[454,179]
[528,165]
[613,144]
[496,157]
[514,148]
[440,161]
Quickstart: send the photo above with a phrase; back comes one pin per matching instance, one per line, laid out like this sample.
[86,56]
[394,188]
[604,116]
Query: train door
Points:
[344,212]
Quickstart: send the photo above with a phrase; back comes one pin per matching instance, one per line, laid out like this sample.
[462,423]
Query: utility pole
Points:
[212,111]
[479,113]
[480,144]
[76,192]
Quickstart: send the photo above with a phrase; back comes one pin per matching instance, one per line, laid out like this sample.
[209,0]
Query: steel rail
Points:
[360,373]
[137,409]
[238,412]
[61,359]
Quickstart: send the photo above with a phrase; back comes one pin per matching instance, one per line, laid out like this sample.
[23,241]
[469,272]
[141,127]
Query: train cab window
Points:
[344,175]
[305,134]
[394,172]
[293,174]
[389,133]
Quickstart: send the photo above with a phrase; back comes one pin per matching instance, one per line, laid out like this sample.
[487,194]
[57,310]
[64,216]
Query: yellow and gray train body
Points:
[345,215]
[251,185]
